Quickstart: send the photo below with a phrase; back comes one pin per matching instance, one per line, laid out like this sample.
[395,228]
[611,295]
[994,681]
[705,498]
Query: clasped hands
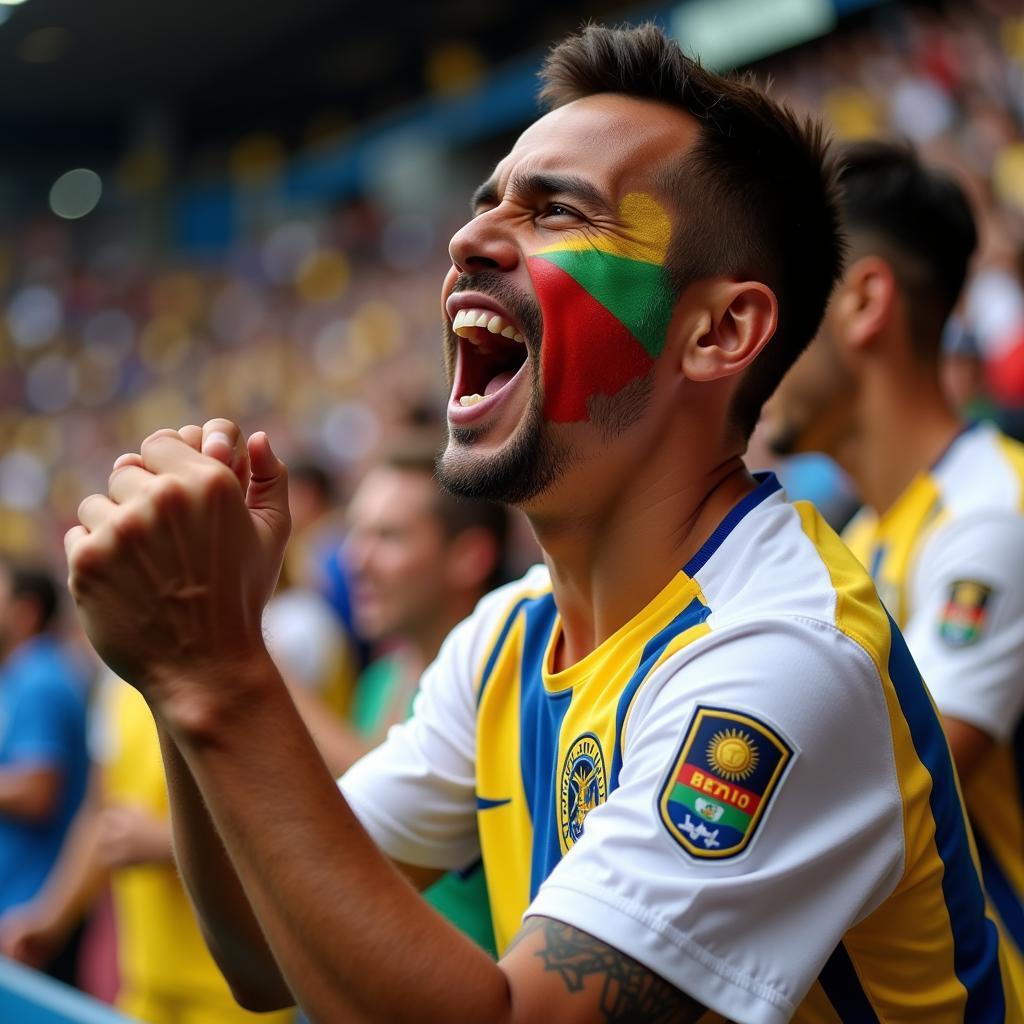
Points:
[171,569]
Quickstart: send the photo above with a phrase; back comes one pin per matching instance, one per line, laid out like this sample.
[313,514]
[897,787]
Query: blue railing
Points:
[28,997]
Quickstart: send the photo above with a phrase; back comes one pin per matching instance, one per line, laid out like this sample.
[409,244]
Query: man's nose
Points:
[483,244]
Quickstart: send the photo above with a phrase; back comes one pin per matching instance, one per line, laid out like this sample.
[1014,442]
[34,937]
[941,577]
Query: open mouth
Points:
[492,351]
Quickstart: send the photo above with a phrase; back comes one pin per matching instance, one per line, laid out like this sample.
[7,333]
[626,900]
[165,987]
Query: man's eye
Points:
[559,210]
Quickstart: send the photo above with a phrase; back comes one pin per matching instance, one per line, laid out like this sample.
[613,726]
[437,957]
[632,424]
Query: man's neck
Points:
[903,425]
[605,568]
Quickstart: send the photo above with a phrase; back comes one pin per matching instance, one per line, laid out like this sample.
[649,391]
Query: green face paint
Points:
[606,306]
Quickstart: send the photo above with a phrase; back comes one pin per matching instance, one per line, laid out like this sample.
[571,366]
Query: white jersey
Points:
[948,558]
[745,788]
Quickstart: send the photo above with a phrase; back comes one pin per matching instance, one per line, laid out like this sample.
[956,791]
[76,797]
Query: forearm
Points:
[339,744]
[225,916]
[352,937]
[28,793]
[78,875]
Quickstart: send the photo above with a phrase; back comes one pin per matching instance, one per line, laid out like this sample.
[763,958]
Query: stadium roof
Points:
[77,74]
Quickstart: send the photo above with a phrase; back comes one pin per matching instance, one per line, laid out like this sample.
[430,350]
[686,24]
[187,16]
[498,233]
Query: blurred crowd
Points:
[322,328]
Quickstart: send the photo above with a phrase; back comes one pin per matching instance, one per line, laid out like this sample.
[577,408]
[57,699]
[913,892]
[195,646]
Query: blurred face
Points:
[556,307]
[7,611]
[811,408]
[396,552]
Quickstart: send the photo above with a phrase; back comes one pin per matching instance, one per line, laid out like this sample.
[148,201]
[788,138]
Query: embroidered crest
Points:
[963,615]
[727,770]
[584,785]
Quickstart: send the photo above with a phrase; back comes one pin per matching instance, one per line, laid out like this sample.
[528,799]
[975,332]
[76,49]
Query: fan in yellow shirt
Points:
[167,974]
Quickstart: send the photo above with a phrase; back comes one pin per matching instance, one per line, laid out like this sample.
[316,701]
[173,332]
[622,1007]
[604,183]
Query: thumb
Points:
[267,496]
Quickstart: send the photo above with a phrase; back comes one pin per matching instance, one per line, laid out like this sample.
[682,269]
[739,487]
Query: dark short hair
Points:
[29,583]
[919,220]
[314,476]
[454,514]
[756,194]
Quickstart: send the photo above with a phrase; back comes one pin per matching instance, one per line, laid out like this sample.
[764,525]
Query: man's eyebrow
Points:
[485,195]
[543,183]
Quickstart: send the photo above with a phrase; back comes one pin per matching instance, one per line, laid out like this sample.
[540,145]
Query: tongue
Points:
[498,382]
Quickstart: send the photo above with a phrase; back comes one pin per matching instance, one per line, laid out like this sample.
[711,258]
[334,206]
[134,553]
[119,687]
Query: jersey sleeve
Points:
[757,817]
[42,723]
[966,629]
[416,793]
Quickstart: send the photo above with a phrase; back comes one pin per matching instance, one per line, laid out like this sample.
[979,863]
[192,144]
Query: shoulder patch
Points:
[727,769]
[964,613]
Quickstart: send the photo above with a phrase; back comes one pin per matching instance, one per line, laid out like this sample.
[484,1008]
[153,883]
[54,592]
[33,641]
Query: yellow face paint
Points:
[606,305]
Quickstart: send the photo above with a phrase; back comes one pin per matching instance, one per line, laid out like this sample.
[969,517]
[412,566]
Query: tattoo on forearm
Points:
[630,993]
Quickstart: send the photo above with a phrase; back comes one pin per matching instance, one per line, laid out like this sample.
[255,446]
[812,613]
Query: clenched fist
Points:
[170,569]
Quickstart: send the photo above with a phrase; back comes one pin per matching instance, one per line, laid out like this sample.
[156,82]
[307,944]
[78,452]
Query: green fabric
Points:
[461,897]
[374,696]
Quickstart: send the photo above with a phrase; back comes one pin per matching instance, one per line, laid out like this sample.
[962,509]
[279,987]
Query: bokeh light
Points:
[76,193]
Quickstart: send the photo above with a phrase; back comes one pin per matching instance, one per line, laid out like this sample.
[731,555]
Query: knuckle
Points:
[86,502]
[86,559]
[220,423]
[132,523]
[216,481]
[158,435]
[168,493]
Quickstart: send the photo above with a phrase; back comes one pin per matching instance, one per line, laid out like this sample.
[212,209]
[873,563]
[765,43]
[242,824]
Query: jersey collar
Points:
[767,484]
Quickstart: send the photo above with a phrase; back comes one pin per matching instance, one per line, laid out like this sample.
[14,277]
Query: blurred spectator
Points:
[420,562]
[43,759]
[313,560]
[321,325]
[123,832]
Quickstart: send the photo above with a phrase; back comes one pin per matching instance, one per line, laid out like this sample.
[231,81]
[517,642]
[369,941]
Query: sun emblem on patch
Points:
[583,786]
[732,754]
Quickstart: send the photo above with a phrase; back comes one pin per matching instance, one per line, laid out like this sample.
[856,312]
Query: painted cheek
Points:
[586,351]
[606,312]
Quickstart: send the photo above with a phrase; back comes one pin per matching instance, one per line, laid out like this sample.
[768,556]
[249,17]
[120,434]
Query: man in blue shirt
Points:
[43,759]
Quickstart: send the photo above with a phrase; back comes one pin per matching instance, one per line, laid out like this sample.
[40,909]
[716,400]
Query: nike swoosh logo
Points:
[483,804]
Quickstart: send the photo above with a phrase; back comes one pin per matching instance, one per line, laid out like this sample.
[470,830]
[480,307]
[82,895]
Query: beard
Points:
[527,464]
[533,459]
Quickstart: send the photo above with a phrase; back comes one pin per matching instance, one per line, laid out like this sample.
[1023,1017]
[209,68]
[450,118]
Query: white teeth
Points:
[470,399]
[467,319]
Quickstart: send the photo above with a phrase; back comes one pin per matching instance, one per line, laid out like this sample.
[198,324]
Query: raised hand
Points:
[172,567]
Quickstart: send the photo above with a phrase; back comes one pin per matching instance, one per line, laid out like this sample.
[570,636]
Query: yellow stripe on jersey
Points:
[890,549]
[561,731]
[956,968]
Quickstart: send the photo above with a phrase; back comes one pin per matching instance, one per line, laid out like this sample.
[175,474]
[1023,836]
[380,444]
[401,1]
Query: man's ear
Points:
[865,301]
[736,320]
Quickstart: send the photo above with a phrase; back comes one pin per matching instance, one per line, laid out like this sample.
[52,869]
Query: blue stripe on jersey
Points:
[492,658]
[483,803]
[1000,891]
[877,557]
[692,615]
[846,994]
[975,940]
[540,721]
[767,483]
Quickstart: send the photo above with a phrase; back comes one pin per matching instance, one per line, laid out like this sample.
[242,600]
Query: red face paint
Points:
[606,309]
